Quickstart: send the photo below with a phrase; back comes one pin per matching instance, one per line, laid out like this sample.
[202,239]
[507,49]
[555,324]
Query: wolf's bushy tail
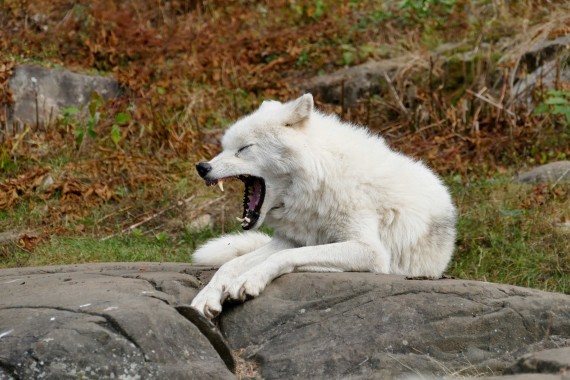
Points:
[223,249]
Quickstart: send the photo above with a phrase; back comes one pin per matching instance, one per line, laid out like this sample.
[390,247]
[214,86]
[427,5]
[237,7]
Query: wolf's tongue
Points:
[255,197]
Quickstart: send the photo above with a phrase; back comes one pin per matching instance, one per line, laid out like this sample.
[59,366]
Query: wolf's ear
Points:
[267,103]
[301,109]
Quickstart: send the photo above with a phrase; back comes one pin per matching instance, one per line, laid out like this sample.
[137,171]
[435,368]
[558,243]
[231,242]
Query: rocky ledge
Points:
[131,321]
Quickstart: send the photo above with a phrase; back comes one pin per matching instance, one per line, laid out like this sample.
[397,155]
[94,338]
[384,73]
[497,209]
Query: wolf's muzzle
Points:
[203,169]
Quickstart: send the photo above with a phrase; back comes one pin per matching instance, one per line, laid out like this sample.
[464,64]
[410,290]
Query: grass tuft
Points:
[513,233]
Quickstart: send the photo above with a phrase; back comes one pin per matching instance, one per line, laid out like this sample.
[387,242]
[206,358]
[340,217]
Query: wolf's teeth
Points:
[221,184]
[244,221]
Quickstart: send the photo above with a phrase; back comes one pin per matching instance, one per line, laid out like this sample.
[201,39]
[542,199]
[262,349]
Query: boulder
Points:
[347,85]
[545,50]
[553,172]
[102,321]
[40,94]
[132,320]
[363,326]
[539,63]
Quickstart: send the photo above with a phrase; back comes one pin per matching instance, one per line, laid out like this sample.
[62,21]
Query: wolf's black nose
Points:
[203,168]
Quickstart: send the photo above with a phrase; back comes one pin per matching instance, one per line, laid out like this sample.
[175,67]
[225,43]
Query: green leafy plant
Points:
[349,54]
[304,58]
[4,159]
[556,103]
[71,117]
[80,129]
[423,9]
[121,119]
[69,114]
[313,11]
[162,237]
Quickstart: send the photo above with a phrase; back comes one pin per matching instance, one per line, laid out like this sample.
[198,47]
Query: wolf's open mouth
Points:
[253,197]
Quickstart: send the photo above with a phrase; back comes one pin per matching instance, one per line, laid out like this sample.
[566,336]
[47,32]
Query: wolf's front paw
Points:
[208,302]
[248,284]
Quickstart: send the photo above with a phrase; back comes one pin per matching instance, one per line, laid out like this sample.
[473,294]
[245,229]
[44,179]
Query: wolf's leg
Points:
[345,256]
[209,300]
[225,248]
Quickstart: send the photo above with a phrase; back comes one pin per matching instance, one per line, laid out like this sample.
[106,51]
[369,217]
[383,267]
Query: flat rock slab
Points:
[366,326]
[41,93]
[132,321]
[554,172]
[102,321]
[347,85]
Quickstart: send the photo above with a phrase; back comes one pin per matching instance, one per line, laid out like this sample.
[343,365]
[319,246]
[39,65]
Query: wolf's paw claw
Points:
[242,294]
[246,288]
[211,312]
[208,302]
[236,292]
[253,289]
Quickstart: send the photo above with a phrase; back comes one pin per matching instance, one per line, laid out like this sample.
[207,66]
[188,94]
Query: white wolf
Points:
[337,197]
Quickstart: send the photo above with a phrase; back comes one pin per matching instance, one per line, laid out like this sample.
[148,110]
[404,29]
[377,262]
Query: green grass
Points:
[128,248]
[511,233]
[62,250]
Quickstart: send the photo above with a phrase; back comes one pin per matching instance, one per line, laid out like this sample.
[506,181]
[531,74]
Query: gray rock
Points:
[41,93]
[347,85]
[132,320]
[553,172]
[545,76]
[102,321]
[366,326]
[545,50]
[545,65]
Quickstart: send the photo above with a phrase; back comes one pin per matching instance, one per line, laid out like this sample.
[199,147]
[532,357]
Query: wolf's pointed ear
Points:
[301,109]
[266,103]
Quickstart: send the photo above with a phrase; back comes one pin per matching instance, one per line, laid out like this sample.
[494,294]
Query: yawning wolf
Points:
[337,197]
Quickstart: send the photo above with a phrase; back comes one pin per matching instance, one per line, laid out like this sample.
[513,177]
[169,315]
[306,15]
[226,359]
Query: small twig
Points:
[21,247]
[559,179]
[487,100]
[395,95]
[207,204]
[149,218]
[19,139]
[422,129]
[114,213]
[406,366]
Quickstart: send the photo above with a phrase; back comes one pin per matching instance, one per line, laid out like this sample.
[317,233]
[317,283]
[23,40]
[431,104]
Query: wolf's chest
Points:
[307,222]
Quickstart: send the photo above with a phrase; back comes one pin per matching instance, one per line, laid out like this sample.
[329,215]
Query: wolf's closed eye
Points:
[243,148]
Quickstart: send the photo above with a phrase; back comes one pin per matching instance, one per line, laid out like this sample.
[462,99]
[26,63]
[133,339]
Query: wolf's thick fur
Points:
[337,197]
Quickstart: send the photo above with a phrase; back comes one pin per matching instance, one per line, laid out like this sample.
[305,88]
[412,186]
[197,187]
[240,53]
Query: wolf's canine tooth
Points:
[221,185]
